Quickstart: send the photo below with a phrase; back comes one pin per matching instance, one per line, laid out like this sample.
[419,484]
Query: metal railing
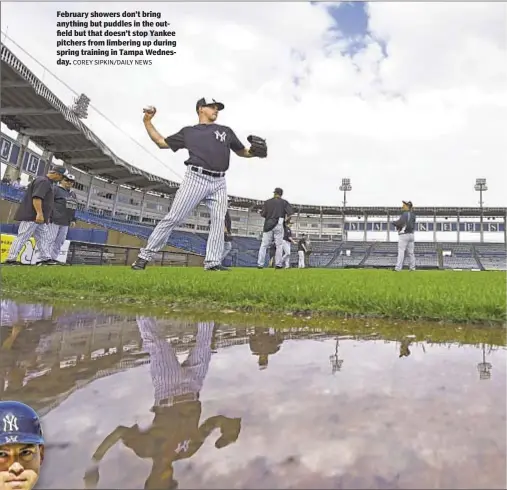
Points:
[83,253]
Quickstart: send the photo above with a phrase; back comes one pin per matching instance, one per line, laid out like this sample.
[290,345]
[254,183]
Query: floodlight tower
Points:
[336,362]
[345,187]
[484,367]
[480,186]
[80,106]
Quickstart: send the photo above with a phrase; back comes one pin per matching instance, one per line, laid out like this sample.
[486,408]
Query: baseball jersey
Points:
[287,233]
[276,208]
[42,188]
[302,245]
[406,223]
[65,206]
[209,145]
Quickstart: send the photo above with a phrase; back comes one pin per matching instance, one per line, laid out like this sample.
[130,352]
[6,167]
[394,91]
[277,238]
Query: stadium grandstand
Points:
[115,195]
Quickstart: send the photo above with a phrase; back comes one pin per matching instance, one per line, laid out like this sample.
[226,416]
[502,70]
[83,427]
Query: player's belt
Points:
[203,171]
[172,400]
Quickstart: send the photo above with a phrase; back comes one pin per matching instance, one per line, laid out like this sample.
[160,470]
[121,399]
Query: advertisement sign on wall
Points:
[29,253]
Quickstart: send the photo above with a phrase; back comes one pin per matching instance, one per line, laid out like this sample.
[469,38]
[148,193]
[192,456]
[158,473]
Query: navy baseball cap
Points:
[59,170]
[205,101]
[407,203]
[278,191]
[19,424]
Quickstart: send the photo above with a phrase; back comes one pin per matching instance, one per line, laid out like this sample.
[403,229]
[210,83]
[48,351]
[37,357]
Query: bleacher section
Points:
[323,252]
[75,234]
[351,254]
[382,255]
[492,256]
[462,256]
[426,255]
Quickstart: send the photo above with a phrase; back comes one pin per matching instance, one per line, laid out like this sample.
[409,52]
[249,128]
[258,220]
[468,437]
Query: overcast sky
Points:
[409,100]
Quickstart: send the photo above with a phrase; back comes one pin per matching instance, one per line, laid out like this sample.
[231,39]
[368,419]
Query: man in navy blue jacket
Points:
[64,215]
[406,228]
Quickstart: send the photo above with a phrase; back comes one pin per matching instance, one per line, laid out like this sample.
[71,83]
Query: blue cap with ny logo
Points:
[19,424]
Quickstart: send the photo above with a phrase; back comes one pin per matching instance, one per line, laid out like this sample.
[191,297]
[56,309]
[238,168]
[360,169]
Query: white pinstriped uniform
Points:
[58,234]
[194,189]
[227,250]
[286,254]
[43,238]
[169,377]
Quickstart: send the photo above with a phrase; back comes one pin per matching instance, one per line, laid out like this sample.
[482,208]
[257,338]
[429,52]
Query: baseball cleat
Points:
[46,262]
[218,268]
[12,262]
[139,264]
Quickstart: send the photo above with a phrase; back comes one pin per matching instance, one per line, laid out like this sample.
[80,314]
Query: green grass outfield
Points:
[451,296]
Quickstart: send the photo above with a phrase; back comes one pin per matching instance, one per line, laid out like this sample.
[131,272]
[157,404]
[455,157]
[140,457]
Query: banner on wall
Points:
[29,253]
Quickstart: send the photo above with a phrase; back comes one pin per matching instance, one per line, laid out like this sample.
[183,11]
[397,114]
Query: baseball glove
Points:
[258,147]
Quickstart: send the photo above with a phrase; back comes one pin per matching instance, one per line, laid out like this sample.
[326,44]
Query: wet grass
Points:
[464,297]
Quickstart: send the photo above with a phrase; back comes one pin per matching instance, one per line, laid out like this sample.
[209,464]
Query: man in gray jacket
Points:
[64,214]
[406,228]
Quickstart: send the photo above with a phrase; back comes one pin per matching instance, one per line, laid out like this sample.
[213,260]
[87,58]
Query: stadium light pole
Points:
[345,187]
[80,106]
[484,367]
[480,186]
[336,362]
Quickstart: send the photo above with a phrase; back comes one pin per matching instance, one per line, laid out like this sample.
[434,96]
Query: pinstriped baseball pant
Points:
[59,234]
[227,250]
[286,254]
[194,189]
[169,377]
[27,230]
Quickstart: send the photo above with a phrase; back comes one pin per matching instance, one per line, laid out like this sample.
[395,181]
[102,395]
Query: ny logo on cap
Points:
[10,423]
[209,101]
[220,136]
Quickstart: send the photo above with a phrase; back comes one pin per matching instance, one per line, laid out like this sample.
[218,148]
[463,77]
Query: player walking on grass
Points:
[34,213]
[64,215]
[302,251]
[209,146]
[276,211]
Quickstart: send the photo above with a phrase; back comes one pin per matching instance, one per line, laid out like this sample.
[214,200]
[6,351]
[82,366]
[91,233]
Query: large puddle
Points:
[166,404]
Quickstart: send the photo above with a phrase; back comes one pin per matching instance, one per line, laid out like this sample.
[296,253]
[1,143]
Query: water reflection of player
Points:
[175,433]
[22,327]
[404,348]
[263,343]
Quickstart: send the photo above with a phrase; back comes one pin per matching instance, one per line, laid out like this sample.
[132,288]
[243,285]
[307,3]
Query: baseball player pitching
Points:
[209,146]
[21,446]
